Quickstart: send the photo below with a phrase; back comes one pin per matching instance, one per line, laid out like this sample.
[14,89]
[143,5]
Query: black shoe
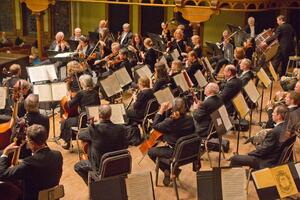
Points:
[167,178]
[66,145]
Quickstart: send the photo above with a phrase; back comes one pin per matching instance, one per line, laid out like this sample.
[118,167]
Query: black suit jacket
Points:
[173,129]
[229,90]
[140,104]
[38,172]
[53,45]
[150,58]
[269,151]
[246,77]
[193,69]
[85,98]
[285,35]
[102,138]
[256,29]
[127,39]
[160,84]
[202,114]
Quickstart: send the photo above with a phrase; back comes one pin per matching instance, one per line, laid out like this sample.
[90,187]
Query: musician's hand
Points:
[264,44]
[10,148]
[164,107]
[96,62]
[196,105]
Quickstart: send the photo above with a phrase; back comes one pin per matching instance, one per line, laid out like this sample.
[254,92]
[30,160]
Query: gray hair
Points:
[248,62]
[31,103]
[213,88]
[86,81]
[104,112]
[126,25]
[178,105]
[37,134]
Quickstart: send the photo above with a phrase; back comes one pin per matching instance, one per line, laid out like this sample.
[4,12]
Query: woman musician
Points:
[178,43]
[88,96]
[161,77]
[165,33]
[136,47]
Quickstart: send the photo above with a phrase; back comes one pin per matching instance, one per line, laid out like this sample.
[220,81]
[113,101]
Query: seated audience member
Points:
[230,88]
[177,125]
[40,171]
[102,138]
[59,44]
[88,96]
[268,152]
[202,110]
[246,74]
[161,77]
[34,58]
[145,94]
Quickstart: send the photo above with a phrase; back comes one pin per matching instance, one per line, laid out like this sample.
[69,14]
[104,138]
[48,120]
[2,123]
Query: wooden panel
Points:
[7,17]
[61,18]
[29,21]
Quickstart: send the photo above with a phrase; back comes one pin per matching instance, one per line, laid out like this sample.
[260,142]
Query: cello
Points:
[6,128]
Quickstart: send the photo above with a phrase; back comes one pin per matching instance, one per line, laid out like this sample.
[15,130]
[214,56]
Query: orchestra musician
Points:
[246,74]
[289,82]
[77,34]
[252,28]
[285,35]
[59,44]
[268,152]
[101,26]
[85,97]
[202,110]
[25,90]
[161,77]
[178,42]
[249,47]
[197,45]
[105,43]
[40,171]
[238,55]
[165,32]
[74,71]
[192,66]
[177,125]
[149,56]
[84,49]
[126,35]
[230,88]
[176,68]
[140,100]
[102,138]
[121,61]
[137,47]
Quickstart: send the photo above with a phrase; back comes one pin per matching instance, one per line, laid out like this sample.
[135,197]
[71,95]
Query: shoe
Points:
[66,145]
[167,178]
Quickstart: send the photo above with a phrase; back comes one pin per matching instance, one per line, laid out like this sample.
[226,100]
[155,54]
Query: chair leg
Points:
[71,146]
[78,147]
[174,182]
[209,159]
[248,179]
[156,172]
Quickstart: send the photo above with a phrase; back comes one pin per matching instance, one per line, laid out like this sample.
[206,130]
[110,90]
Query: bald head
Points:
[211,89]
[104,112]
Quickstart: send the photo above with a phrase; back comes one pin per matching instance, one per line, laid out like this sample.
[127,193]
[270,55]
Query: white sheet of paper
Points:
[202,82]
[225,118]
[117,113]
[63,55]
[44,91]
[164,95]
[297,166]
[63,73]
[139,186]
[241,105]
[111,85]
[252,91]
[263,77]
[144,71]
[59,90]
[181,82]
[208,64]
[3,97]
[41,73]
[175,54]
[92,112]
[51,72]
[234,182]
[272,71]
[123,77]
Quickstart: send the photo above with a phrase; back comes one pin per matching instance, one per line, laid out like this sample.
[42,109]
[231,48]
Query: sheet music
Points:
[123,77]
[208,64]
[272,71]
[139,186]
[117,113]
[263,178]
[111,85]
[59,90]
[164,95]
[63,55]
[225,118]
[202,82]
[175,54]
[144,71]
[252,91]
[63,72]
[44,91]
[92,112]
[181,82]
[234,182]
[241,105]
[263,77]
[297,166]
[42,73]
[3,97]
[164,61]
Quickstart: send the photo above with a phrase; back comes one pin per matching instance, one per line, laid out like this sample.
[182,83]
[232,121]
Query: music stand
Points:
[242,110]
[274,77]
[93,37]
[202,82]
[73,44]
[213,49]
[254,96]
[263,77]
[222,124]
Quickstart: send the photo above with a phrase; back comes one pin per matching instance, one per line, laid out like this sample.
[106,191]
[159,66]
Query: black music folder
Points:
[73,44]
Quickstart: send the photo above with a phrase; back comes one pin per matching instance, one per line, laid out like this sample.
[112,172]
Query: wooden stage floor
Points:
[76,189]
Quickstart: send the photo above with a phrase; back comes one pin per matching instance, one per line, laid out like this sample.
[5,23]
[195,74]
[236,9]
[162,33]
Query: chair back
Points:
[115,163]
[82,123]
[187,150]
[287,150]
[53,193]
[152,107]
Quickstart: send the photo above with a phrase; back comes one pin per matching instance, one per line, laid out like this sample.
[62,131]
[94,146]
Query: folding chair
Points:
[53,193]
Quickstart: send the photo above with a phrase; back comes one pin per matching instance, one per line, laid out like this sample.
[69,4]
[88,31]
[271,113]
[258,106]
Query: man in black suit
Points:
[246,74]
[40,171]
[203,109]
[268,152]
[102,138]
[192,66]
[179,124]
[145,94]
[126,36]
[285,35]
[252,28]
[230,88]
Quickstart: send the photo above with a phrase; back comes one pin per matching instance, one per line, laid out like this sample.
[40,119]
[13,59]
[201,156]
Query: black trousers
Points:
[82,168]
[65,128]
[244,160]
[283,58]
[161,152]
